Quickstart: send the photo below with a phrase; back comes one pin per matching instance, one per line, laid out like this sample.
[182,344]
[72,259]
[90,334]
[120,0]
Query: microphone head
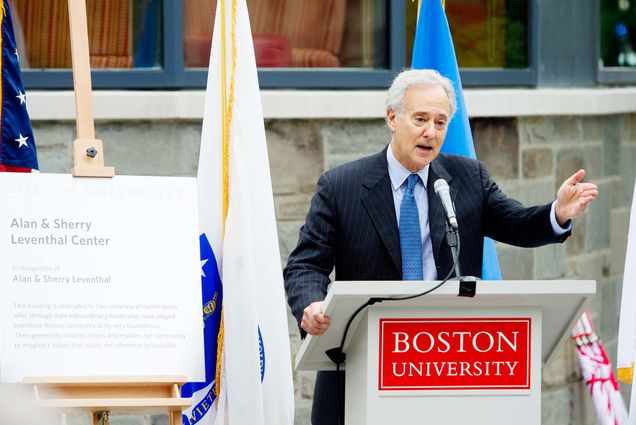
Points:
[440,185]
[442,190]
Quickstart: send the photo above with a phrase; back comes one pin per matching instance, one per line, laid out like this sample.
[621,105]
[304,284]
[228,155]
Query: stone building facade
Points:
[528,156]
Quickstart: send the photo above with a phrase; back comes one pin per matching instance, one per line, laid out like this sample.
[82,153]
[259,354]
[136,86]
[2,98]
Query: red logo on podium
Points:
[454,354]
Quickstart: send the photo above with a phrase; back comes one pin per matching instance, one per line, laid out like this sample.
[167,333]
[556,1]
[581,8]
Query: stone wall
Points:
[528,157]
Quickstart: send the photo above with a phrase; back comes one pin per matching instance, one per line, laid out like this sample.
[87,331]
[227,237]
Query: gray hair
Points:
[418,78]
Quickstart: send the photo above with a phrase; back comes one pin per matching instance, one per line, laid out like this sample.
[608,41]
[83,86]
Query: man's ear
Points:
[390,119]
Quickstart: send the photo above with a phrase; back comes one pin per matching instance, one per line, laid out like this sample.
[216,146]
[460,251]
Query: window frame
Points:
[174,75]
[610,75]
[165,77]
[510,77]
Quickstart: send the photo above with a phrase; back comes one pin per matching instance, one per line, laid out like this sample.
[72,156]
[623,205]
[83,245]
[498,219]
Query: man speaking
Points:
[378,218]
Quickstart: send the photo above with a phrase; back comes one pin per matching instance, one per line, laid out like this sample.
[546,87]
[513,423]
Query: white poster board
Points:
[99,277]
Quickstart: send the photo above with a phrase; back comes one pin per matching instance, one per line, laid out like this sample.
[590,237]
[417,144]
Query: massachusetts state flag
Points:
[17,145]
[249,379]
[433,49]
[627,325]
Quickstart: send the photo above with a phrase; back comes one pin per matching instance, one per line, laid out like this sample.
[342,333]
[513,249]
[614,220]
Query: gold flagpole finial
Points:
[419,5]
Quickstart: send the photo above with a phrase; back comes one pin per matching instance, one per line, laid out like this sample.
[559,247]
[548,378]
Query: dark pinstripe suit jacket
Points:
[352,225]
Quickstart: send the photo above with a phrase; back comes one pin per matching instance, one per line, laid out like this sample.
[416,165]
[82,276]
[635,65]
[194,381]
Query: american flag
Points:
[17,145]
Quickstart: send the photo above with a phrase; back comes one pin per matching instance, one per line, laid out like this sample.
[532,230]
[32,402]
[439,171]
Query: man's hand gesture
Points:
[573,197]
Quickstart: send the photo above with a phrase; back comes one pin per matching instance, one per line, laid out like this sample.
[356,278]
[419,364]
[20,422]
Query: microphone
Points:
[442,191]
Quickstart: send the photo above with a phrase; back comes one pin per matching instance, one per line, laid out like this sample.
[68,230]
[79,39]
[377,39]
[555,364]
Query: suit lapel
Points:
[436,215]
[379,204]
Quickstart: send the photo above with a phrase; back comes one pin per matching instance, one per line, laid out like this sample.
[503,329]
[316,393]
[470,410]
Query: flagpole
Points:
[225,131]
[88,152]
[225,155]
[227,104]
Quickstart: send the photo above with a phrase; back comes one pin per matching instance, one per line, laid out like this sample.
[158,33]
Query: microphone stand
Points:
[467,284]
[452,239]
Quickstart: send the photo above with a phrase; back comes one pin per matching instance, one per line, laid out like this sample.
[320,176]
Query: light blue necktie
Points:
[410,233]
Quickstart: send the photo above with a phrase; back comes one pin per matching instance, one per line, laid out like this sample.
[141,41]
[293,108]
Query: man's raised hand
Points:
[573,197]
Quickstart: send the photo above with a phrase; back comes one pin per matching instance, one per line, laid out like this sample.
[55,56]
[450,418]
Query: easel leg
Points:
[100,418]
[175,417]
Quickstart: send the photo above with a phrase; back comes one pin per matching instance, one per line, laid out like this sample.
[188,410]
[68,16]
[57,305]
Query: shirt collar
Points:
[399,173]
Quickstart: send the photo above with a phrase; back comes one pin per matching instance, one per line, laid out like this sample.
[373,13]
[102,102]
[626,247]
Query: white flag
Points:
[256,379]
[627,327]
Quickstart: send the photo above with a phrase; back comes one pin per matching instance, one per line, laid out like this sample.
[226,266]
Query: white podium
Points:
[444,359]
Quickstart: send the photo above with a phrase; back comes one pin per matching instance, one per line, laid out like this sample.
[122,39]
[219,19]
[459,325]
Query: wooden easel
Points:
[101,395]
[88,152]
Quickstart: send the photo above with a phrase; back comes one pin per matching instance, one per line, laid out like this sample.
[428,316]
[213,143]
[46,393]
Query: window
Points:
[617,60]
[299,43]
[296,34]
[122,34]
[491,38]
[307,43]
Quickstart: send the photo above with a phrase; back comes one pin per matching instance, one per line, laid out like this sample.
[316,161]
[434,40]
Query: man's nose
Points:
[428,129]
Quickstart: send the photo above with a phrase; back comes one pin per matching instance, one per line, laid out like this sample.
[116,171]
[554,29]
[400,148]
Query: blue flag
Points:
[433,49]
[17,146]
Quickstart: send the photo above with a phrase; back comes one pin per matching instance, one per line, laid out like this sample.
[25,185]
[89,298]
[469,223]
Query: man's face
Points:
[419,130]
